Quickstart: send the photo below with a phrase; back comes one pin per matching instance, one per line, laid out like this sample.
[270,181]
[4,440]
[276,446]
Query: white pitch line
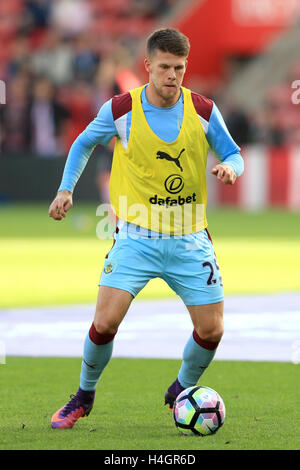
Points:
[265,327]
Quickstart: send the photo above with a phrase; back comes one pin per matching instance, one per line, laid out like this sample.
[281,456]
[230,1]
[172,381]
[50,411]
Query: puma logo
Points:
[92,366]
[166,156]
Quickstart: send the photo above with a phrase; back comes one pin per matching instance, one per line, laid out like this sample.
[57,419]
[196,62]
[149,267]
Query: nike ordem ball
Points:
[199,411]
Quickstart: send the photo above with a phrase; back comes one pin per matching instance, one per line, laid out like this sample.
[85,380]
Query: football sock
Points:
[197,356]
[175,388]
[97,352]
[85,396]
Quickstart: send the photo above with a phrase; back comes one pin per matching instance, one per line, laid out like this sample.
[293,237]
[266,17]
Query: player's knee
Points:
[105,327]
[211,333]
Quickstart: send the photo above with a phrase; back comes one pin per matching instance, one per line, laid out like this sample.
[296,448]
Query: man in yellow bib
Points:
[158,192]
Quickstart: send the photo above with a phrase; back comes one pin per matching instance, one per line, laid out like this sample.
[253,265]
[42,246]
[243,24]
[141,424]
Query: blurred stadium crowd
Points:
[275,123]
[64,58]
[278,121]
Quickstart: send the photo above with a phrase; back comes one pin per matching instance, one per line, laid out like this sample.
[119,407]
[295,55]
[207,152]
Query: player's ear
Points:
[147,64]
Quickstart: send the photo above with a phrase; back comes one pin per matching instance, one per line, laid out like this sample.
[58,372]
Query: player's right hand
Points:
[61,204]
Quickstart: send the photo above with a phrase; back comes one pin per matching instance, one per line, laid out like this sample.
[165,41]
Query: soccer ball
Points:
[199,410]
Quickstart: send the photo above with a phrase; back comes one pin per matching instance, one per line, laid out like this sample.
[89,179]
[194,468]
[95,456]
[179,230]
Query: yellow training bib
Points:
[159,185]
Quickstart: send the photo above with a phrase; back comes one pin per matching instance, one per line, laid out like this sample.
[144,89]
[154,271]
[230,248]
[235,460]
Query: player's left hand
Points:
[224,173]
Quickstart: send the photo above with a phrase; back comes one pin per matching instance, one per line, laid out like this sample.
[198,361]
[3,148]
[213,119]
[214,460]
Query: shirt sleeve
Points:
[222,144]
[100,131]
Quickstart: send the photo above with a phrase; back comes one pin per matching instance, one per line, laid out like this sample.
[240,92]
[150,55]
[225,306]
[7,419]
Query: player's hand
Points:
[61,204]
[224,173]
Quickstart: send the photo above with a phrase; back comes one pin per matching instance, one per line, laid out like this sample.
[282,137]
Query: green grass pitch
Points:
[261,403]
[45,262]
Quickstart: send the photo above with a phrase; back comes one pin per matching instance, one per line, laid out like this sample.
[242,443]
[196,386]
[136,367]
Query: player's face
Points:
[166,72]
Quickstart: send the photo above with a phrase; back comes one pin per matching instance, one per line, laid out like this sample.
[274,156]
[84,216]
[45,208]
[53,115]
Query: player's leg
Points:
[200,348]
[128,267]
[202,344]
[112,305]
[198,282]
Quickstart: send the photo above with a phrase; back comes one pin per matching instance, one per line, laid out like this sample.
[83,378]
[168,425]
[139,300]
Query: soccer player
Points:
[163,133]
